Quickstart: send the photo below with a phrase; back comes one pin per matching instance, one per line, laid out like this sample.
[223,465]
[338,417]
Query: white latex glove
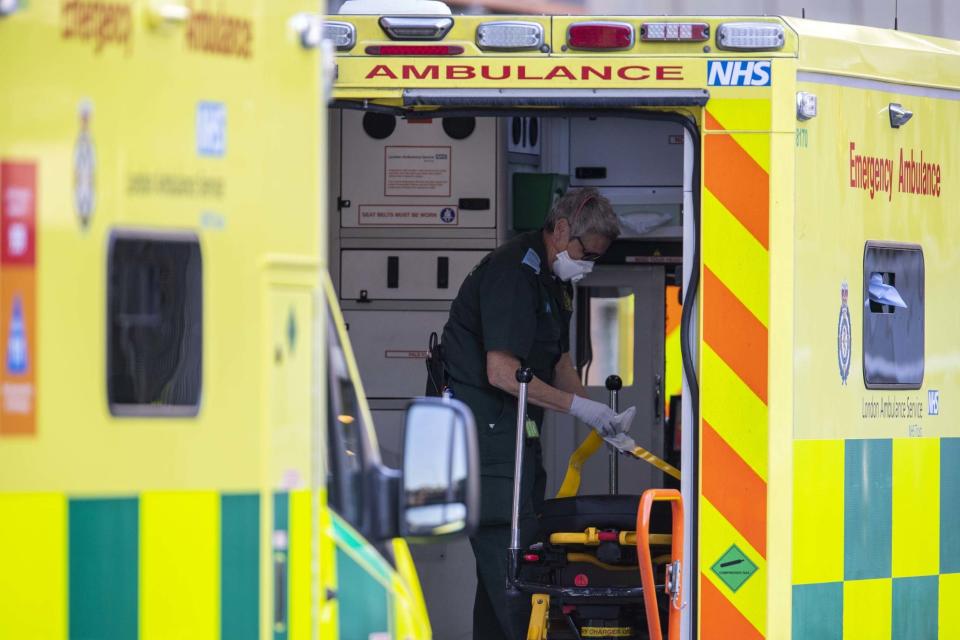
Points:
[596,414]
[620,439]
[622,442]
[622,421]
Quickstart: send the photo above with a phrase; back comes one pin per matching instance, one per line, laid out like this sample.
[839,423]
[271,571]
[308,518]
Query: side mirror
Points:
[440,494]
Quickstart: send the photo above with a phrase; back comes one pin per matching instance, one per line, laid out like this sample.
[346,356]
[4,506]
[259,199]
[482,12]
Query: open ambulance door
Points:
[387,308]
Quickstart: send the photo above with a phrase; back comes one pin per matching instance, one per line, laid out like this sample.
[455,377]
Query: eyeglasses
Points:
[589,256]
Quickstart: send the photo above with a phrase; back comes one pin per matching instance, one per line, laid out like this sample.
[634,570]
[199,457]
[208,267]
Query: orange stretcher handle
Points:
[646,562]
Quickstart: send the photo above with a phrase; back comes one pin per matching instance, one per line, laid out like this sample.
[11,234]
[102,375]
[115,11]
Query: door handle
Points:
[331,594]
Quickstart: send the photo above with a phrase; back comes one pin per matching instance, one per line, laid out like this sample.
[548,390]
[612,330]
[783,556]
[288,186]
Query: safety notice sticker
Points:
[408,215]
[416,171]
[734,568]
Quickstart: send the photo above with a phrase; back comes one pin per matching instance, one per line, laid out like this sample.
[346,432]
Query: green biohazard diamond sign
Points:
[734,568]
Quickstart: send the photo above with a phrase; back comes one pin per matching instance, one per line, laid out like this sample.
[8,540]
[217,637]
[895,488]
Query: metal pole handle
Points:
[524,376]
[614,384]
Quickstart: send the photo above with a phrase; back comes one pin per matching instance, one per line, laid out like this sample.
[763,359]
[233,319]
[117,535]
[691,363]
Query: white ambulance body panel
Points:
[391,347]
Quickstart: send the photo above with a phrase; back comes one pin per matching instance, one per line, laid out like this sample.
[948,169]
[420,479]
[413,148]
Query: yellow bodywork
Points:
[108,96]
[792,464]
[782,434]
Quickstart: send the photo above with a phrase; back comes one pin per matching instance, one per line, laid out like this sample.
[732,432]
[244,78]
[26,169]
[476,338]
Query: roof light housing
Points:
[512,35]
[416,28]
[750,36]
[343,35]
[674,32]
[600,35]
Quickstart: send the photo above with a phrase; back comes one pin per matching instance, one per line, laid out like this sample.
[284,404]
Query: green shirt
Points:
[510,302]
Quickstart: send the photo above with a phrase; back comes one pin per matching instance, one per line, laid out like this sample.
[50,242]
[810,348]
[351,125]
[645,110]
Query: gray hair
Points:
[587,212]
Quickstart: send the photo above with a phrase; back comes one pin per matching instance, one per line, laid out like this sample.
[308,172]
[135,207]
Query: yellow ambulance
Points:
[185,445]
[800,175]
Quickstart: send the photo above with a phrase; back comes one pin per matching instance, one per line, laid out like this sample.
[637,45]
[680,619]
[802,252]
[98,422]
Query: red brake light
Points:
[413,50]
[600,35]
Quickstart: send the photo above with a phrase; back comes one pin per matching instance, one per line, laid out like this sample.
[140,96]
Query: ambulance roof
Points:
[877,54]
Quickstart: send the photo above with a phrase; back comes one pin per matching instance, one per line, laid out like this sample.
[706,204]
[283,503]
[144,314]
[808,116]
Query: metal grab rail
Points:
[672,583]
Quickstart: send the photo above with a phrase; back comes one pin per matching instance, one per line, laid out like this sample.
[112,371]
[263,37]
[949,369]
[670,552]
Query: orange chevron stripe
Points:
[712,123]
[719,619]
[734,488]
[737,181]
[735,334]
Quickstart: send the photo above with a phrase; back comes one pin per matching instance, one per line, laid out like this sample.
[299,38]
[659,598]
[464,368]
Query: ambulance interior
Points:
[421,199]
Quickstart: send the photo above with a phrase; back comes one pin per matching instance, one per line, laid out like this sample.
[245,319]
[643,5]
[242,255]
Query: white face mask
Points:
[570,270]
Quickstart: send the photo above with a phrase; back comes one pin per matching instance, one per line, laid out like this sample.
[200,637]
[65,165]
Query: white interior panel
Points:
[391,348]
[633,153]
[418,175]
[417,273]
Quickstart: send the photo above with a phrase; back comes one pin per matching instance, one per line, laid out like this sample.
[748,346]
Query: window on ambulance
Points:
[610,335]
[893,316]
[345,445]
[154,324]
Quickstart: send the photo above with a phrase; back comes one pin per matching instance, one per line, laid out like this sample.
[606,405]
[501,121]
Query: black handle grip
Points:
[614,383]
[524,375]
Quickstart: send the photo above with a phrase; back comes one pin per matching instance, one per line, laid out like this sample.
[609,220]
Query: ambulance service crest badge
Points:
[844,339]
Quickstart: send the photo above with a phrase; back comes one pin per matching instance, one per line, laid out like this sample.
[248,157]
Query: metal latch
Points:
[672,583]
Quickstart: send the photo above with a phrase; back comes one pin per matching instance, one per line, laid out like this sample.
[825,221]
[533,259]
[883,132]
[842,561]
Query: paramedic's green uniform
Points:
[510,302]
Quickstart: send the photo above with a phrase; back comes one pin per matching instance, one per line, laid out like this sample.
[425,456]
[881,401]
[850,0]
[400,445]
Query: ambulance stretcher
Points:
[592,573]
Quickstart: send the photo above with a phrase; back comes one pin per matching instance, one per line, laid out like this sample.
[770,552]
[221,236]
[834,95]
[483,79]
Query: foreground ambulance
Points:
[802,176]
[185,445]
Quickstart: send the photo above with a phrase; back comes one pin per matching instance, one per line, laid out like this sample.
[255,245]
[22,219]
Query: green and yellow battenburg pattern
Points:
[176,564]
[877,539]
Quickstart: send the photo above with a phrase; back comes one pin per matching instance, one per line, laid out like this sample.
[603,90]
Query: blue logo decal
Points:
[844,336]
[17,340]
[448,215]
[211,129]
[738,73]
[532,260]
[933,402]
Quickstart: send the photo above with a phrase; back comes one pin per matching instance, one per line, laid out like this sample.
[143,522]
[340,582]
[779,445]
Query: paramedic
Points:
[514,309]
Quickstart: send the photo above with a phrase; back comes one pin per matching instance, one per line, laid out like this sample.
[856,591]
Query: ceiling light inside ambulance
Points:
[343,35]
[600,35]
[750,36]
[408,28]
[674,32]
[510,36]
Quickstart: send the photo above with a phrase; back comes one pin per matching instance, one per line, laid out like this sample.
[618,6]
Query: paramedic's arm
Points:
[502,374]
[565,377]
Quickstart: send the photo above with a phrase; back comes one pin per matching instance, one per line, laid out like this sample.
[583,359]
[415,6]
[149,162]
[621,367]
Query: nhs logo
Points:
[738,73]
[211,129]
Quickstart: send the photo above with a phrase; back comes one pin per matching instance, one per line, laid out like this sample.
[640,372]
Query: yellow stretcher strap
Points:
[659,463]
[589,559]
[571,481]
[539,617]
